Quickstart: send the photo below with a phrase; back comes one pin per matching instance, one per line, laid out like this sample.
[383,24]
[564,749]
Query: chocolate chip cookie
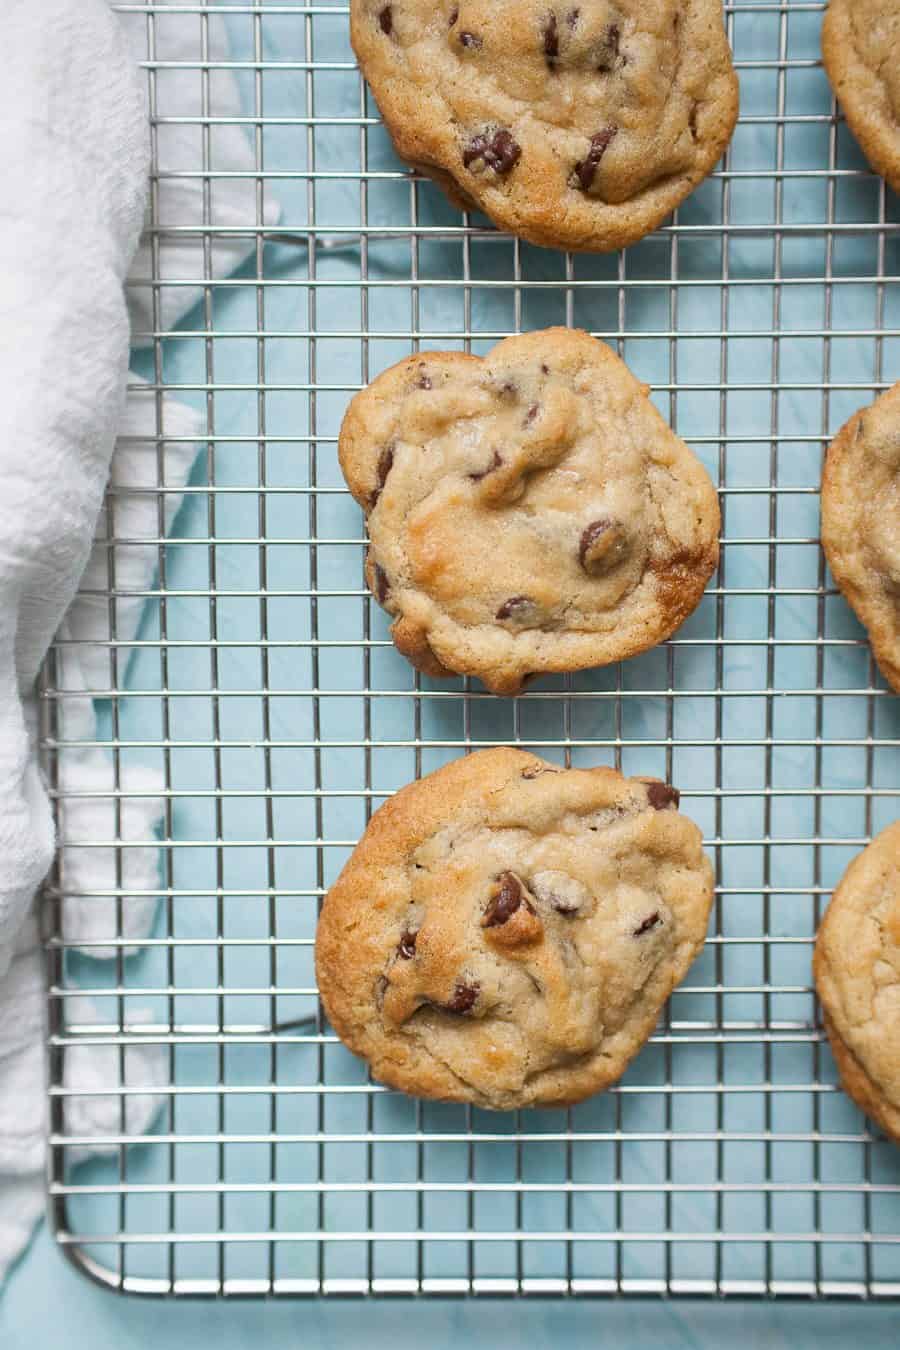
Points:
[857,971]
[507,932]
[861,523]
[577,126]
[529,511]
[861,47]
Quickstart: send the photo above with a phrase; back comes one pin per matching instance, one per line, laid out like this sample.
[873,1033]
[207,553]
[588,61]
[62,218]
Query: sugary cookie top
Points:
[507,932]
[861,523]
[528,511]
[858,966]
[535,108]
[861,47]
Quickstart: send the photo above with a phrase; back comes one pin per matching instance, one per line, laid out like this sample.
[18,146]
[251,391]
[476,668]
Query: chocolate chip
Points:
[662,795]
[517,609]
[386,20]
[498,151]
[615,57]
[505,900]
[508,389]
[572,17]
[425,382]
[602,546]
[532,414]
[406,947]
[650,922]
[551,39]
[454,15]
[471,40]
[545,369]
[587,168]
[464,997]
[385,464]
[382,585]
[494,464]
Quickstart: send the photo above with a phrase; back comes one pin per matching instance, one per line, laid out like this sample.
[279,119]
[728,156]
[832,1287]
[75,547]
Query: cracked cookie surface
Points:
[861,523]
[861,49]
[529,511]
[507,932]
[857,972]
[577,126]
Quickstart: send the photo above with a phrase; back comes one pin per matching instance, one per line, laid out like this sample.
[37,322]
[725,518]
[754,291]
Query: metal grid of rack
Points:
[263,683]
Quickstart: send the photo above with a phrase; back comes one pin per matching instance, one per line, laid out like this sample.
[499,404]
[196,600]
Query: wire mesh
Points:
[264,686]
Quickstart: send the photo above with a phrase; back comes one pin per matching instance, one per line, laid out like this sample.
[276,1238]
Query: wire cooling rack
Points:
[263,684]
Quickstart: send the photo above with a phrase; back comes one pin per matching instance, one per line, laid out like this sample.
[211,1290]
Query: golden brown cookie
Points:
[529,511]
[507,932]
[857,972]
[578,126]
[861,523]
[861,47]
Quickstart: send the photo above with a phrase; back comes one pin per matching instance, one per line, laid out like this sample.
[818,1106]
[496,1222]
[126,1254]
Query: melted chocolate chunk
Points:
[424,381]
[572,17]
[518,609]
[385,464]
[613,39]
[386,20]
[602,546]
[497,151]
[471,40]
[406,947]
[504,901]
[382,585]
[651,921]
[531,414]
[454,15]
[483,473]
[586,169]
[662,795]
[464,997]
[551,39]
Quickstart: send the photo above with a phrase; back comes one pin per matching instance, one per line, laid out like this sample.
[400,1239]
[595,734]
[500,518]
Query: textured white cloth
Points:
[74,157]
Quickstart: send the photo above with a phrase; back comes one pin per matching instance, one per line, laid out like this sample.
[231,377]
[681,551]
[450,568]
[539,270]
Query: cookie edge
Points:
[680,586]
[412,813]
[868,609]
[851,79]
[547,224]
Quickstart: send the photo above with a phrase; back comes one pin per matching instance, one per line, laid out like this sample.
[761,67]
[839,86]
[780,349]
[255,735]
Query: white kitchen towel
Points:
[73,147]
[73,132]
[74,156]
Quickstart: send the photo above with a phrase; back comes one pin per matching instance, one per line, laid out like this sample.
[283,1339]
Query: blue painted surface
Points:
[47,1304]
[78,1314]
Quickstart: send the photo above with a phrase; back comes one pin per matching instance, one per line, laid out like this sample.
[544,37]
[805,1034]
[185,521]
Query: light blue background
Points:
[47,1304]
[76,1313]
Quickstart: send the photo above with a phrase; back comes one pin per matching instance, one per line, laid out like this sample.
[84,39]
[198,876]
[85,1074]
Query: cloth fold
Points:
[74,137]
